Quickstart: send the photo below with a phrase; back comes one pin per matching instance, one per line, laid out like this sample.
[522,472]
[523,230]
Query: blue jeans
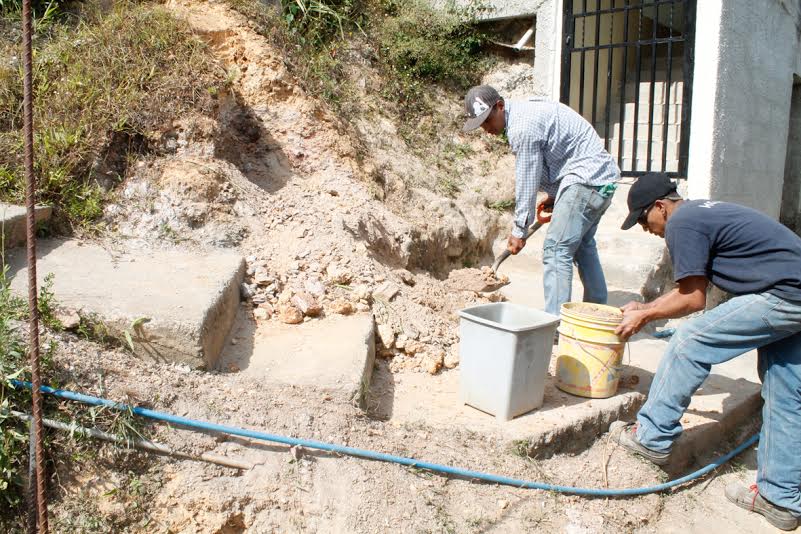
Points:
[571,238]
[763,322]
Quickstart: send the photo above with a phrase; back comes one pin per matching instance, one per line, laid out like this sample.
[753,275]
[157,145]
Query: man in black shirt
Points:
[758,260]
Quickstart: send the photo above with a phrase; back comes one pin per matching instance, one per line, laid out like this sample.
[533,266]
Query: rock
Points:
[433,361]
[246,291]
[264,311]
[69,319]
[386,291]
[262,278]
[315,287]
[411,332]
[503,504]
[386,335]
[286,296]
[452,359]
[496,296]
[290,315]
[413,347]
[401,341]
[362,307]
[342,307]
[406,277]
[338,274]
[362,292]
[307,304]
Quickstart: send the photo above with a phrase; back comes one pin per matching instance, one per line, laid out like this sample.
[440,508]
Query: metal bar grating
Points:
[627,69]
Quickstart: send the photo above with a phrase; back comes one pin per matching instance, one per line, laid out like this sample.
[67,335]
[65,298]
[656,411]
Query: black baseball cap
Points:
[478,105]
[645,191]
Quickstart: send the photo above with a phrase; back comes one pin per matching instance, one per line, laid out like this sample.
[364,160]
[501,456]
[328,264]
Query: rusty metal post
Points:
[30,193]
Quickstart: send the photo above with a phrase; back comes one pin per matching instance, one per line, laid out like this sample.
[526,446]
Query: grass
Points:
[103,82]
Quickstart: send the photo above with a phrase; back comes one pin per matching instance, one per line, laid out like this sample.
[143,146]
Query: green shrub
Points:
[102,84]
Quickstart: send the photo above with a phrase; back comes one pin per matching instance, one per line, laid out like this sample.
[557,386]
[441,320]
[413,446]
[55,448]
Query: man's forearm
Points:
[672,305]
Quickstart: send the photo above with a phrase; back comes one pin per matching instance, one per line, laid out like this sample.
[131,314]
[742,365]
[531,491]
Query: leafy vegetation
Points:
[413,47]
[103,81]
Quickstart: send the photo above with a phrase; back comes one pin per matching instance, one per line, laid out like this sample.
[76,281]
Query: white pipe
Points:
[523,40]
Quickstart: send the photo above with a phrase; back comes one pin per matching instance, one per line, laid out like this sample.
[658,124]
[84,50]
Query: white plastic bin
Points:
[504,351]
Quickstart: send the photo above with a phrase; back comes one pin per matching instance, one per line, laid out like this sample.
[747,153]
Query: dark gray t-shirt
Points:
[738,249]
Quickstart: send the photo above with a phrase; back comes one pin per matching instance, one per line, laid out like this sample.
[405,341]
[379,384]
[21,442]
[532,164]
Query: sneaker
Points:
[625,435]
[750,499]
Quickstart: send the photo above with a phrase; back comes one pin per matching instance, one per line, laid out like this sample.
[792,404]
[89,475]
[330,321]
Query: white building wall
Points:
[746,53]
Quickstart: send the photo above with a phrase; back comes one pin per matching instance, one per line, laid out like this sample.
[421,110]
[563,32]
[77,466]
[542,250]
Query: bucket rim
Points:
[567,310]
[463,313]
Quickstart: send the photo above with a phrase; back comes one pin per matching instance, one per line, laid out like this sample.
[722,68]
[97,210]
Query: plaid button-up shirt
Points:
[554,147]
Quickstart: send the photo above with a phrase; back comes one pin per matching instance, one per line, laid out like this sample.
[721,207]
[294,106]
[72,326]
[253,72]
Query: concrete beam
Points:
[189,299]
[13,223]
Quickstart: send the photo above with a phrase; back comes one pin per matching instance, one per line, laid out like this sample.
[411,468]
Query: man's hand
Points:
[515,244]
[633,321]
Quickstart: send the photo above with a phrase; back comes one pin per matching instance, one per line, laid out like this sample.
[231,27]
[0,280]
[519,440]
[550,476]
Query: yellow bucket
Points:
[589,352]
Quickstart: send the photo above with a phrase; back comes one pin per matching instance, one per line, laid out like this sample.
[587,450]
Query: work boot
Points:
[750,499]
[625,434]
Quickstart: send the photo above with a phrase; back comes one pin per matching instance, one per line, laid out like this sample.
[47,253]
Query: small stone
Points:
[290,315]
[414,347]
[262,278]
[342,307]
[433,362]
[362,307]
[406,277]
[362,292]
[386,291]
[261,314]
[452,359]
[386,335]
[69,319]
[315,287]
[338,274]
[496,296]
[246,291]
[411,332]
[401,341]
[503,504]
[286,296]
[307,304]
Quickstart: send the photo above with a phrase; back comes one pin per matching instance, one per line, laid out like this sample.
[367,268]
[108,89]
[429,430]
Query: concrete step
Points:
[567,423]
[13,223]
[334,354]
[189,299]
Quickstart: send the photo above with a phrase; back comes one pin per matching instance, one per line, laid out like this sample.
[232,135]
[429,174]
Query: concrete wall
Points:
[791,195]
[499,9]
[746,54]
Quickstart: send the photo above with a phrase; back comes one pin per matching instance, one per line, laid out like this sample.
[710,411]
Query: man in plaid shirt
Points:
[559,153]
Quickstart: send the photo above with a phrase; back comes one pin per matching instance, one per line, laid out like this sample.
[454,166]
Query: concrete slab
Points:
[190,299]
[563,424]
[13,223]
[728,400]
[335,354]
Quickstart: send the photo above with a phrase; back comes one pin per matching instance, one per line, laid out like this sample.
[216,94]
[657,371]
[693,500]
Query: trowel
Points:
[541,220]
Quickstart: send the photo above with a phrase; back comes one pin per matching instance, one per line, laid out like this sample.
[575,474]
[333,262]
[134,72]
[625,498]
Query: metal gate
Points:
[627,69]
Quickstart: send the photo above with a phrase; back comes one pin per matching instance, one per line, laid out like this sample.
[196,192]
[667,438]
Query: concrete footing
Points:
[174,305]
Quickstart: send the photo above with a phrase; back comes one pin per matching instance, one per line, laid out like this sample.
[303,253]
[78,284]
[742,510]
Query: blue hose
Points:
[373,455]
